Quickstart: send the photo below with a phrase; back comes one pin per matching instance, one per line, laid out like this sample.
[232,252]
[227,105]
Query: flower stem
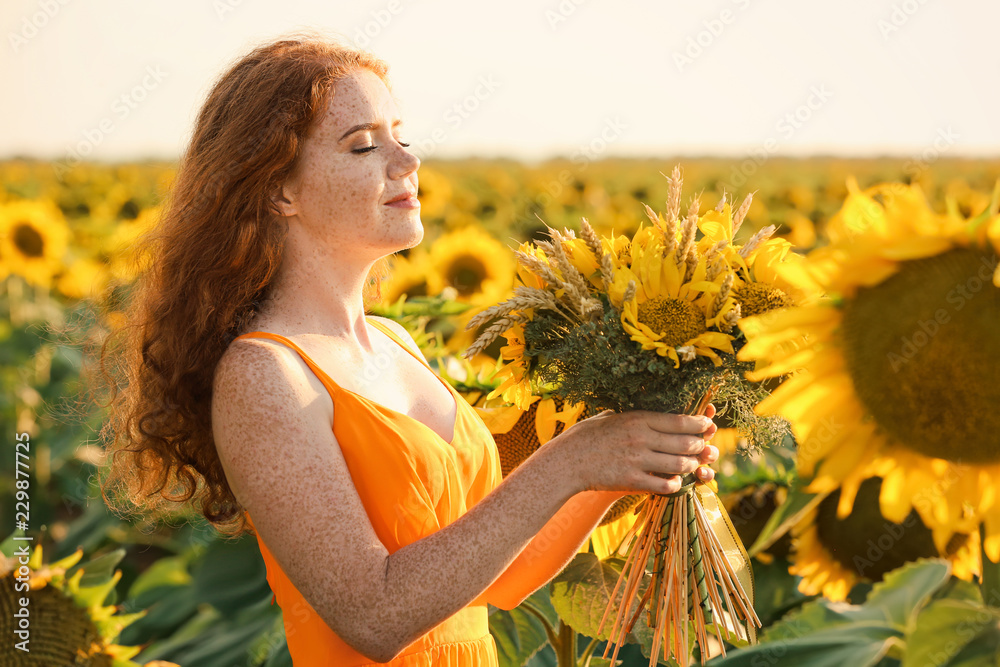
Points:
[567,648]
[990,582]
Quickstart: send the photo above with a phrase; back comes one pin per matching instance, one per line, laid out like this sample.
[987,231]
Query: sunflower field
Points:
[873,528]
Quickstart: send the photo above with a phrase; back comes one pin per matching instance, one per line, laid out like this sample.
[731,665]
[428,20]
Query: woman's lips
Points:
[409,202]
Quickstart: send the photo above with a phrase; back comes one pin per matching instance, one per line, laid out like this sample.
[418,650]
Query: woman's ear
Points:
[283,198]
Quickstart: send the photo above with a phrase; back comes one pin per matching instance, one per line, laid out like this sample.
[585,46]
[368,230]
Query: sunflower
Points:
[410,275]
[802,230]
[515,383]
[519,433]
[83,278]
[759,265]
[33,238]
[664,311]
[434,193]
[71,625]
[125,242]
[895,372]
[963,200]
[833,553]
[476,265]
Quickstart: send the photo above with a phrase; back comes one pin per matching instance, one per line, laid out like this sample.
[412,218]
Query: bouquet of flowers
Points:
[649,322]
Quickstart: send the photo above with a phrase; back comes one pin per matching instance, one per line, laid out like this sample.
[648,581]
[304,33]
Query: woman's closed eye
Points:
[368,149]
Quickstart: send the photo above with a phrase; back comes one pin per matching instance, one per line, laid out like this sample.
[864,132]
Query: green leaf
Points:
[226,643]
[784,517]
[170,571]
[10,545]
[582,591]
[98,570]
[903,592]
[776,592]
[644,637]
[518,634]
[231,575]
[168,608]
[990,580]
[959,589]
[820,615]
[855,644]
[954,633]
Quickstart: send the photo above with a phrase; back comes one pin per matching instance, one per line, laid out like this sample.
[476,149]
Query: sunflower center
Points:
[922,349]
[867,543]
[28,240]
[521,440]
[620,508]
[466,275]
[756,298]
[678,320]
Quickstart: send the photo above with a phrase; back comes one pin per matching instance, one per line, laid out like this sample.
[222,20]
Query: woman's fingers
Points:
[666,422]
[672,464]
[710,454]
[686,445]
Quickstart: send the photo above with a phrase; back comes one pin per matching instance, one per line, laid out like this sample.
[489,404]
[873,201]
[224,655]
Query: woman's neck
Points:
[313,296]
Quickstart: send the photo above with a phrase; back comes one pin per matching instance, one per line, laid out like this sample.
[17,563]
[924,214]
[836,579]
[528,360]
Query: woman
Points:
[385,535]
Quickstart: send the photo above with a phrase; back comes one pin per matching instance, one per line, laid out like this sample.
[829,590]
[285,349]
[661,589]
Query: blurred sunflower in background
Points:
[34,237]
[833,553]
[895,373]
[122,246]
[83,278]
[434,193]
[410,275]
[471,261]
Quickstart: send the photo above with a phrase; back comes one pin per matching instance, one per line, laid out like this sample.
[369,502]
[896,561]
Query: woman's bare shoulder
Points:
[258,359]
[254,368]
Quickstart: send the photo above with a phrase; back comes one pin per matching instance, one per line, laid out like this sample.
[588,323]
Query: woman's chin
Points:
[418,233]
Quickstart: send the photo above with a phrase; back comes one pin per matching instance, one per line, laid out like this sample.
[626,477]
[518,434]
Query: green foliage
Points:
[796,505]
[582,592]
[954,633]
[522,632]
[917,616]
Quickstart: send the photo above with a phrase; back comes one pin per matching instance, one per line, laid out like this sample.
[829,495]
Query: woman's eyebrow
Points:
[367,126]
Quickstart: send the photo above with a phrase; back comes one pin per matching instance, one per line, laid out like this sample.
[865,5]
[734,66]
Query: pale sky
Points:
[529,79]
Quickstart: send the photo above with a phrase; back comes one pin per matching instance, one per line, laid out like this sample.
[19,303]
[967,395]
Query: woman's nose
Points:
[405,163]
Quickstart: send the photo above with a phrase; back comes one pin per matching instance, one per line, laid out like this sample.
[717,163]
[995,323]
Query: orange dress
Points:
[412,483]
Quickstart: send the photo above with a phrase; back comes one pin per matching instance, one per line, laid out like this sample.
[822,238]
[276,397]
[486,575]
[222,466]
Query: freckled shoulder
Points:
[266,365]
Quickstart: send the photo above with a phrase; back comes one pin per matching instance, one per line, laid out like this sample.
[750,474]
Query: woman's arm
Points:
[552,548]
[271,421]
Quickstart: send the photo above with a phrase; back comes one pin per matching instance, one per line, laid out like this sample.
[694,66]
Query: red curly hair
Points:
[205,270]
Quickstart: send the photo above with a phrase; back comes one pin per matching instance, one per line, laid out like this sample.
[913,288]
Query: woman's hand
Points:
[639,451]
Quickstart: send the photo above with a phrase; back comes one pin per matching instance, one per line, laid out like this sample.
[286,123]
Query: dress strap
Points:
[327,381]
[323,377]
[399,341]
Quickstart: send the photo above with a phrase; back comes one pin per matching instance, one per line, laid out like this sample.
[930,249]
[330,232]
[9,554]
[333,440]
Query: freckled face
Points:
[345,178]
